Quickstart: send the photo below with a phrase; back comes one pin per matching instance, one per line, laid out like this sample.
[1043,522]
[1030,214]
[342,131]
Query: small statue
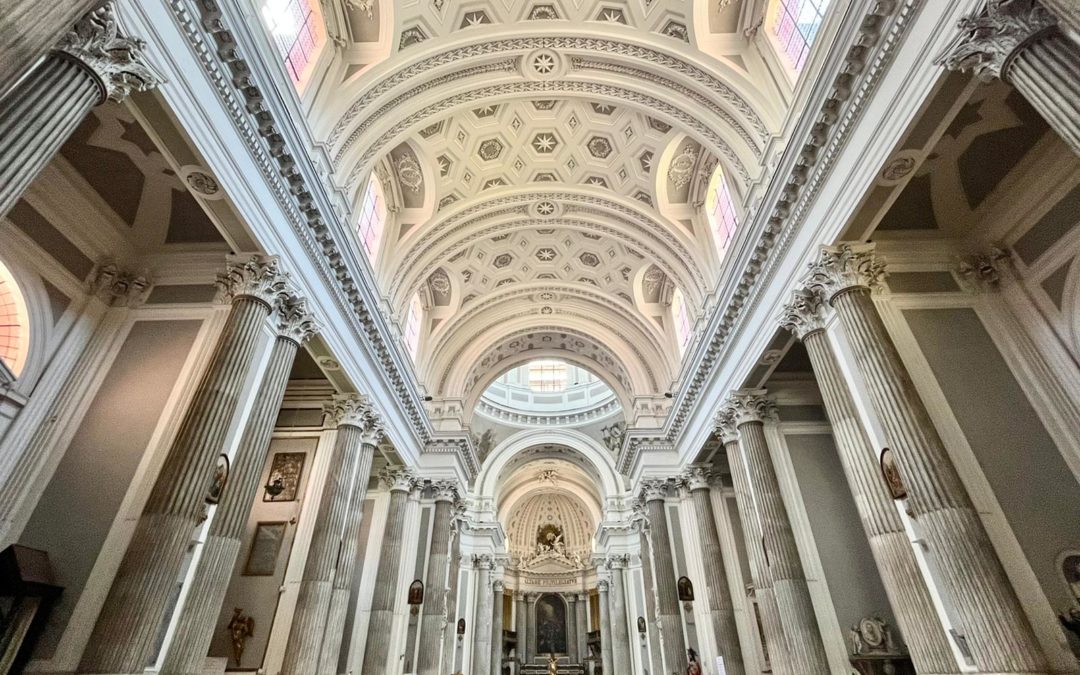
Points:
[240,629]
[553,665]
[694,667]
[857,645]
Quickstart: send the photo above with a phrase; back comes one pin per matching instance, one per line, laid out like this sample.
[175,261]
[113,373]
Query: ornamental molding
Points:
[872,50]
[293,320]
[217,51]
[805,314]
[117,62]
[120,288]
[846,266]
[984,272]
[987,41]
[591,45]
[355,410]
[257,276]
[551,88]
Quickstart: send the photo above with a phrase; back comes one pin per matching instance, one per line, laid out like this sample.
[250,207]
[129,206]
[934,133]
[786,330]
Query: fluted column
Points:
[127,627]
[530,618]
[497,590]
[721,610]
[449,633]
[797,616]
[1067,13]
[899,570]
[572,641]
[198,615]
[519,623]
[651,615]
[582,626]
[775,640]
[354,418]
[606,656]
[620,634]
[356,413]
[91,64]
[969,573]
[481,655]
[434,611]
[672,642]
[377,652]
[1019,42]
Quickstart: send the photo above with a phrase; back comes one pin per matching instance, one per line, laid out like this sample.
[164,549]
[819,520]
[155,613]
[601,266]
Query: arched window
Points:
[547,375]
[412,325]
[298,32]
[14,324]
[721,212]
[372,219]
[795,24]
[681,315]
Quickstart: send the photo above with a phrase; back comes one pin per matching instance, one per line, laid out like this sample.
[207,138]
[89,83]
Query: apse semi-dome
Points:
[551,507]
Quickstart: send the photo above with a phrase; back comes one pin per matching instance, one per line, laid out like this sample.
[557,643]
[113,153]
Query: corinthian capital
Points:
[116,61]
[653,489]
[294,321]
[355,410]
[805,313]
[726,428]
[987,41]
[751,405]
[697,478]
[399,478]
[845,266]
[445,491]
[257,276]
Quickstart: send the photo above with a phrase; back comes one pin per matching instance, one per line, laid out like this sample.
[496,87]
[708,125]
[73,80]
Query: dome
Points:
[529,526]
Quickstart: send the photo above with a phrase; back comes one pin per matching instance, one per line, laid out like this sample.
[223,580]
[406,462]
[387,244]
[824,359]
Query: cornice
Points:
[305,203]
[871,49]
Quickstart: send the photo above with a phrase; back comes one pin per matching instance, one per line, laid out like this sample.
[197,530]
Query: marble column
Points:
[775,641]
[1019,42]
[377,652]
[91,64]
[606,657]
[721,610]
[433,617]
[481,654]
[354,415]
[899,570]
[620,633]
[581,627]
[1067,13]
[969,574]
[198,617]
[792,594]
[671,634]
[572,641]
[449,632]
[497,591]
[530,619]
[124,636]
[652,626]
[28,28]
[350,463]
[519,624]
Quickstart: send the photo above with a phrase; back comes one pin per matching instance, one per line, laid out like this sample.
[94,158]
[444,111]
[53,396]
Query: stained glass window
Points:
[372,219]
[547,376]
[14,336]
[297,30]
[721,212]
[795,24]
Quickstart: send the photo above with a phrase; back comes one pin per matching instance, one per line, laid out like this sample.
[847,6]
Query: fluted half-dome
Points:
[529,524]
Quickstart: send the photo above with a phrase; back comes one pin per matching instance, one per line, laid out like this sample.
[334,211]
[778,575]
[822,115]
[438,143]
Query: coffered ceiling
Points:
[546,165]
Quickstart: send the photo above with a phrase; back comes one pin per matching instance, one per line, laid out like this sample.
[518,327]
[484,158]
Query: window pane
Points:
[369,227]
[547,376]
[721,212]
[297,31]
[795,25]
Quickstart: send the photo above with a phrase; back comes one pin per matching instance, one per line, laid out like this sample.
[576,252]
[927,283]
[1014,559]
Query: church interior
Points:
[540,337]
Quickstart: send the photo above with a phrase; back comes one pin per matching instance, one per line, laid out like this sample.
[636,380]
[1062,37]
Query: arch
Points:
[593,455]
[15,324]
